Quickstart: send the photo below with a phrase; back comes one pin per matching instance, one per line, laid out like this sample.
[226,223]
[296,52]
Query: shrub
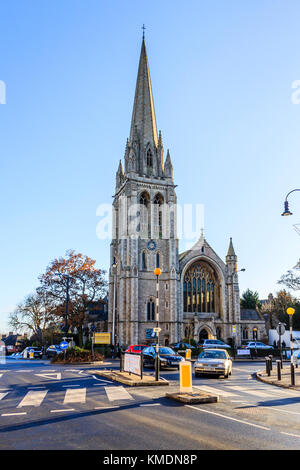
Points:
[77,355]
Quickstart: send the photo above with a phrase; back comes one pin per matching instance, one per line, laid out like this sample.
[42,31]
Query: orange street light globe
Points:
[157,271]
[254,329]
[290,311]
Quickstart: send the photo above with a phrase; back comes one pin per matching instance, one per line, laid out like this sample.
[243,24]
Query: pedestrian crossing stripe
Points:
[117,393]
[215,391]
[2,395]
[77,395]
[33,398]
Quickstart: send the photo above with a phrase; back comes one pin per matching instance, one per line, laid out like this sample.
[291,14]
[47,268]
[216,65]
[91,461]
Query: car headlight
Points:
[221,364]
[199,364]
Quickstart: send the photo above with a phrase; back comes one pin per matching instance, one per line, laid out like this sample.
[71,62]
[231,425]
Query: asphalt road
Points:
[45,406]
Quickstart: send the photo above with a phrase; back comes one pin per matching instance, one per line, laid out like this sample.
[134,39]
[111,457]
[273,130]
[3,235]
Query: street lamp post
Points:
[157,272]
[286,211]
[290,311]
[255,339]
[67,276]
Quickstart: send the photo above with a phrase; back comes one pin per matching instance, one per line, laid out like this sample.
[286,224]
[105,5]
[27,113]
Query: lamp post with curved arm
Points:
[287,211]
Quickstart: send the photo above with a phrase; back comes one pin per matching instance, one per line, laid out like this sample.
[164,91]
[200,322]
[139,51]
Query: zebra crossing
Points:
[71,395]
[257,391]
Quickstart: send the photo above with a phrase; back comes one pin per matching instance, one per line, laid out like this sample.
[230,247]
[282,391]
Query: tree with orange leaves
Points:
[77,274]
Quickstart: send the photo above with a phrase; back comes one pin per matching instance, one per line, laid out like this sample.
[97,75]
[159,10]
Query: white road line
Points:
[289,434]
[33,398]
[117,393]
[151,404]
[51,375]
[73,385]
[227,417]
[2,395]
[75,396]
[105,407]
[280,410]
[100,380]
[61,411]
[1,375]
[13,414]
[215,390]
[256,393]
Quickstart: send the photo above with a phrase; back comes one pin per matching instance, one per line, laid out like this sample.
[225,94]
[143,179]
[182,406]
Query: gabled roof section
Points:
[143,115]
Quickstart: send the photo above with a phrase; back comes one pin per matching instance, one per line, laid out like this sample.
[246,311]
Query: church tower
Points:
[144,229]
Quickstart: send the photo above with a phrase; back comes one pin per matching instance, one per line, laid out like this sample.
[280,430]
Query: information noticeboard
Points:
[102,338]
[132,363]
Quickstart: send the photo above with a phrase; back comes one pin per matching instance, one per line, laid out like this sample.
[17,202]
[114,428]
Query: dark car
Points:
[37,352]
[53,350]
[167,357]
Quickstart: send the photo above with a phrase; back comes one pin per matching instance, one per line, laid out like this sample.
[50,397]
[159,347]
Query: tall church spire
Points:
[143,115]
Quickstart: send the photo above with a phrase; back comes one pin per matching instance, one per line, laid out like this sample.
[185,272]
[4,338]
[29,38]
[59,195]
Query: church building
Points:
[198,291]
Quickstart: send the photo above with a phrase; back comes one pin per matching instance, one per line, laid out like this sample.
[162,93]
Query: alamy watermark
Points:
[150,221]
[2,92]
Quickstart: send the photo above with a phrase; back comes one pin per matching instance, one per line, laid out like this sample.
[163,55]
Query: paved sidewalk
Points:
[285,377]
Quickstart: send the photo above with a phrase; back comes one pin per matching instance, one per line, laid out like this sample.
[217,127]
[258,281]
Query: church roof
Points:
[143,115]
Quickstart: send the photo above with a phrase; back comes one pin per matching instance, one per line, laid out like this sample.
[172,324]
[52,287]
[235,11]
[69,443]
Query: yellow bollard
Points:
[185,377]
[188,354]
[31,355]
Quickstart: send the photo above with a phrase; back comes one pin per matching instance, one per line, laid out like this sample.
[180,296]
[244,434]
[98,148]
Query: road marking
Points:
[33,398]
[61,411]
[1,375]
[105,407]
[75,385]
[50,376]
[101,380]
[280,410]
[75,396]
[227,417]
[117,393]
[257,393]
[215,390]
[13,414]
[151,404]
[289,434]
[2,395]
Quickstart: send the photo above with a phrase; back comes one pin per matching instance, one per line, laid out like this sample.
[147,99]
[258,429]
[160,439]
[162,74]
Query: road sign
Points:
[149,333]
[233,330]
[280,329]
[64,345]
[101,338]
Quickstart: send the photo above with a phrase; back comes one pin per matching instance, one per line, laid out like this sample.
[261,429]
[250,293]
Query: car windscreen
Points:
[166,351]
[212,355]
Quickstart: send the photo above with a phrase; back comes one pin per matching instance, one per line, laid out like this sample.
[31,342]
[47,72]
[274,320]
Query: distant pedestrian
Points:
[112,351]
[283,344]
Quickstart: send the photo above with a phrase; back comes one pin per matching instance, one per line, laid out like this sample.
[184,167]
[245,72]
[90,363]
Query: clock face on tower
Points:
[151,245]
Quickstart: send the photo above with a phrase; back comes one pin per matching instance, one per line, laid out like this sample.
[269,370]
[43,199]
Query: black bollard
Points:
[267,365]
[278,370]
[271,362]
[292,374]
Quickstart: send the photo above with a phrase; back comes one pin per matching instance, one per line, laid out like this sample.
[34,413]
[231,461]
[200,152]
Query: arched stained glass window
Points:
[199,289]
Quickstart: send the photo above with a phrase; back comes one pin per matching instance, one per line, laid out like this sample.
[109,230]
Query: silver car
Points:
[213,361]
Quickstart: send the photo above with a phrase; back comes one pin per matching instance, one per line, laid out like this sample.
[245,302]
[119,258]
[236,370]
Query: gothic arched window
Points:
[149,159]
[157,260]
[144,260]
[199,288]
[157,216]
[144,215]
[150,310]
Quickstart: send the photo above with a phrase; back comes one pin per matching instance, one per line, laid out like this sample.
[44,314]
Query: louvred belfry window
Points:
[144,215]
[157,216]
[199,289]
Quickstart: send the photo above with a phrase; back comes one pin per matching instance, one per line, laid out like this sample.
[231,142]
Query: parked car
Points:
[256,345]
[182,346]
[213,343]
[167,357]
[37,352]
[53,350]
[136,348]
[213,361]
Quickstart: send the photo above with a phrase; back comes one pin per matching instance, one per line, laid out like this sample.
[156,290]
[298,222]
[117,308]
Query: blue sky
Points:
[222,74]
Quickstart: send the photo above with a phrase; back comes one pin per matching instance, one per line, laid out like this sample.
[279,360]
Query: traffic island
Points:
[193,397]
[132,380]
